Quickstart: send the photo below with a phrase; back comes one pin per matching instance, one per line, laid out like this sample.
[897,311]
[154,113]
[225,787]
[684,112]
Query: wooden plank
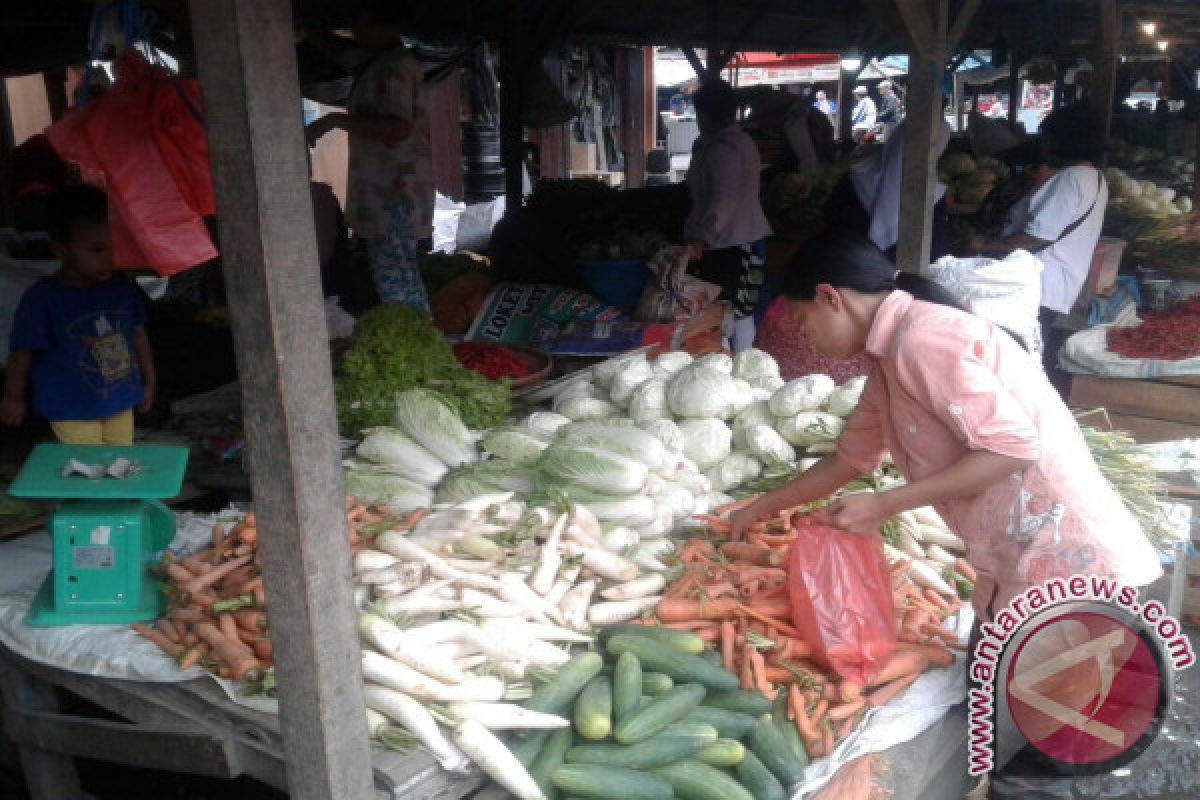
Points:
[921,33]
[48,775]
[512,146]
[247,67]
[145,746]
[920,165]
[1135,398]
[1146,431]
[965,15]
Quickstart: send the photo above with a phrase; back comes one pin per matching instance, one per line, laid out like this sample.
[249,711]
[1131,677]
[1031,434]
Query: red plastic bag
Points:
[145,136]
[841,596]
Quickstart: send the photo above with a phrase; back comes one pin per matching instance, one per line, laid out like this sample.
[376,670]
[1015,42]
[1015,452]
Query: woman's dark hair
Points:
[73,206]
[716,99]
[1073,133]
[847,260]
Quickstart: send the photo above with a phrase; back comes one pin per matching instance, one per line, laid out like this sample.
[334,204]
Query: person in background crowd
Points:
[726,220]
[1061,222]
[79,336]
[889,108]
[825,105]
[862,118]
[390,191]
[979,433]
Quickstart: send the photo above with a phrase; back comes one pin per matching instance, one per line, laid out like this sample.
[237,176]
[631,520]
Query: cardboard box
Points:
[583,156]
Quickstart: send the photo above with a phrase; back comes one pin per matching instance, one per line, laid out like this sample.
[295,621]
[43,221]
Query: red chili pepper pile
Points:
[492,361]
[1169,336]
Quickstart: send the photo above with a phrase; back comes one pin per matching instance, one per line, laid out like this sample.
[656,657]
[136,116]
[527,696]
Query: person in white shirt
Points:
[1062,221]
[862,119]
[726,219]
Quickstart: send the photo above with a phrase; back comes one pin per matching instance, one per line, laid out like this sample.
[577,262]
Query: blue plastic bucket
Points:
[618,283]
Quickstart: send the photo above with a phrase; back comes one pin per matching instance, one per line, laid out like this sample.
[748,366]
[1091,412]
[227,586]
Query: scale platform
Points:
[104,532]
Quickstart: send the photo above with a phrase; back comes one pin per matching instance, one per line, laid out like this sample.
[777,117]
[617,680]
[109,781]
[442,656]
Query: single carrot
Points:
[937,600]
[251,620]
[260,594]
[203,599]
[187,616]
[759,668]
[847,727]
[190,639]
[179,574]
[201,582]
[827,743]
[966,570]
[198,563]
[218,540]
[168,630]
[166,645]
[228,626]
[727,636]
[762,614]
[751,554]
[736,505]
[240,659]
[849,691]
[746,676]
[191,657]
[820,710]
[263,650]
[804,723]
[887,692]
[678,609]
[846,710]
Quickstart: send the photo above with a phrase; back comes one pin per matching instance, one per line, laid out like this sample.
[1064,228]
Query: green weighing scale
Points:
[105,531]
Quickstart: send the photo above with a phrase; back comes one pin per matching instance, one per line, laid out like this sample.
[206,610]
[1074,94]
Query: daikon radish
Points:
[376,723]
[391,641]
[551,559]
[605,564]
[505,716]
[926,576]
[396,544]
[485,605]
[942,538]
[936,553]
[370,560]
[515,590]
[575,604]
[494,758]
[926,515]
[603,614]
[388,672]
[413,716]
[639,587]
[500,627]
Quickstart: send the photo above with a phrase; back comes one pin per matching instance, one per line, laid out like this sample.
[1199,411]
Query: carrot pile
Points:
[734,595]
[217,613]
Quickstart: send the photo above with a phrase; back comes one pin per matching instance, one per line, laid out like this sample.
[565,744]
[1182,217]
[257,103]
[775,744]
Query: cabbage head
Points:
[700,392]
[802,394]
[706,441]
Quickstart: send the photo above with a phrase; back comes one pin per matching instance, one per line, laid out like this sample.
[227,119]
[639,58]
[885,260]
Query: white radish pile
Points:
[450,637]
[924,541]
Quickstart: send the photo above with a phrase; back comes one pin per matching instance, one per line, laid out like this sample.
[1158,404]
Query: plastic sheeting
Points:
[908,716]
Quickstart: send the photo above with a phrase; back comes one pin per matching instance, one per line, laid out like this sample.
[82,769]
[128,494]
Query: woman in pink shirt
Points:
[972,423]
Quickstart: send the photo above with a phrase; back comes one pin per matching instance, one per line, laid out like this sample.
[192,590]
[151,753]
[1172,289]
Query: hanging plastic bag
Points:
[146,137]
[841,596]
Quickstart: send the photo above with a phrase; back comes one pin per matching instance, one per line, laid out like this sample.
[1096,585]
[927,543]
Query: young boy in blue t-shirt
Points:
[79,336]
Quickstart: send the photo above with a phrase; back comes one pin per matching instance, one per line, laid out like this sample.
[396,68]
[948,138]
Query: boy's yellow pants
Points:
[114,430]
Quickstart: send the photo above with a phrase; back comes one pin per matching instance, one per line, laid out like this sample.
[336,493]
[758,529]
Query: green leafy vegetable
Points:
[395,348]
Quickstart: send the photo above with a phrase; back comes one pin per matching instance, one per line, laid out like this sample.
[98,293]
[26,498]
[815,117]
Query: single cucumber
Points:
[758,780]
[788,730]
[610,783]
[655,683]
[655,753]
[680,666]
[683,641]
[550,759]
[767,743]
[557,696]
[627,686]
[693,780]
[593,709]
[740,700]
[670,706]
[729,724]
[528,748]
[722,753]
[690,730]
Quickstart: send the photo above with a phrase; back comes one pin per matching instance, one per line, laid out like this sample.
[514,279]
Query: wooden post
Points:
[1195,178]
[247,67]
[512,139]
[633,118]
[920,164]
[844,100]
[554,143]
[933,37]
[1105,76]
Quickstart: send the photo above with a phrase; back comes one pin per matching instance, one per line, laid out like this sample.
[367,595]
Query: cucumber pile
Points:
[655,717]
